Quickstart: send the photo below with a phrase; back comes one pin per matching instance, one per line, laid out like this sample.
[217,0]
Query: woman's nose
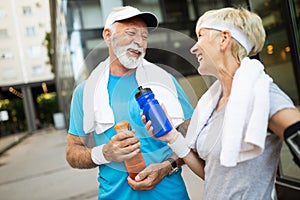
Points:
[193,50]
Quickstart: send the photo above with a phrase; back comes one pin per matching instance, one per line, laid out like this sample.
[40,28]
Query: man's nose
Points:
[138,39]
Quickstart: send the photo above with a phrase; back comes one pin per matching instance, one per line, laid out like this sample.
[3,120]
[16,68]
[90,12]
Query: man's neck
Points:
[117,69]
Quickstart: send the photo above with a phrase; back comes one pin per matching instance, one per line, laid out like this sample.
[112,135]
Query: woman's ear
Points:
[226,40]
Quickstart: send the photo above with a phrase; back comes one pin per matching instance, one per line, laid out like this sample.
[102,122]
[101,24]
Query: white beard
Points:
[120,51]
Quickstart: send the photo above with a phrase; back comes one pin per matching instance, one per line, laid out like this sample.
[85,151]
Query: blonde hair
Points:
[248,22]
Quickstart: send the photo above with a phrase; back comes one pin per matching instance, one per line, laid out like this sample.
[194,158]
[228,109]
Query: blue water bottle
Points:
[153,111]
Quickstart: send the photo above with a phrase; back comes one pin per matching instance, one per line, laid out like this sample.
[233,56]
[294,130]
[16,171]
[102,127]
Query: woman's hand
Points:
[170,137]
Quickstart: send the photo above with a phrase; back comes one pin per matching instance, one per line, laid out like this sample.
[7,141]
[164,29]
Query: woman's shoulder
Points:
[279,99]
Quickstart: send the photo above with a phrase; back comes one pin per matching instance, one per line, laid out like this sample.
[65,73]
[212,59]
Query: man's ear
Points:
[106,34]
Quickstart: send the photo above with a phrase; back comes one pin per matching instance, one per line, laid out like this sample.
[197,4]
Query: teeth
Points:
[135,51]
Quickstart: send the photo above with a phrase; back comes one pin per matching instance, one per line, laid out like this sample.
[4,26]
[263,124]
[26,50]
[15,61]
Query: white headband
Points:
[236,33]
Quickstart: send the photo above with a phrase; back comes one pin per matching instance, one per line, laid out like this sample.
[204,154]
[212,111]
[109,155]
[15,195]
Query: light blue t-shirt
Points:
[113,176]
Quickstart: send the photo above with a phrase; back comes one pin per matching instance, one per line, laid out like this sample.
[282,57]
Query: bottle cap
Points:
[142,91]
[122,125]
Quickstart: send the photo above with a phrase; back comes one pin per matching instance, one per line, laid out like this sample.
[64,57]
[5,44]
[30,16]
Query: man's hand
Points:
[150,176]
[122,146]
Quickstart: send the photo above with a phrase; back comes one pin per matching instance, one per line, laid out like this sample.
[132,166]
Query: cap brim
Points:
[149,18]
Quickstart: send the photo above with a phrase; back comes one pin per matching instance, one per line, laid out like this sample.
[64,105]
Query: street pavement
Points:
[33,167]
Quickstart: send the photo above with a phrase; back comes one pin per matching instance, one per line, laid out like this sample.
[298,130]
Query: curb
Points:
[14,142]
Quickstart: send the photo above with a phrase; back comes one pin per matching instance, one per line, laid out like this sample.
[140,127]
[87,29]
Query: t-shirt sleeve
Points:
[184,101]
[76,112]
[279,100]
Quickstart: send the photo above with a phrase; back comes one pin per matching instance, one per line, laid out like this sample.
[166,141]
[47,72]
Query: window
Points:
[34,51]
[3,33]
[27,10]
[84,14]
[2,13]
[91,14]
[276,54]
[6,54]
[30,31]
[37,70]
[149,5]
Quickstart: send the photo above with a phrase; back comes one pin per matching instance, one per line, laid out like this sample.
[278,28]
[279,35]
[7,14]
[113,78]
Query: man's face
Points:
[129,42]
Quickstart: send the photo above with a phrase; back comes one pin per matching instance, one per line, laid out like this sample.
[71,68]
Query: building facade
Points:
[84,21]
[24,57]
[23,27]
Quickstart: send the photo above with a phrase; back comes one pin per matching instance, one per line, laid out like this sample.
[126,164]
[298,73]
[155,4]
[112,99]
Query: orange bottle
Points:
[135,164]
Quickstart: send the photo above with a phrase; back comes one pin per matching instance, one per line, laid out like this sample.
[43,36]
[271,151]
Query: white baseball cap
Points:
[126,12]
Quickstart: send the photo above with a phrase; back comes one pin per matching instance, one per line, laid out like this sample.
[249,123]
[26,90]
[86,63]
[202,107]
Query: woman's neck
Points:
[226,74]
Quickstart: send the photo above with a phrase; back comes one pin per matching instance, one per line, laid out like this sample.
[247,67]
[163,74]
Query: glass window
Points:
[37,70]
[297,12]
[30,31]
[205,5]
[5,54]
[26,10]
[91,14]
[2,13]
[84,15]
[34,51]
[73,16]
[3,33]
[175,11]
[277,58]
[276,53]
[149,5]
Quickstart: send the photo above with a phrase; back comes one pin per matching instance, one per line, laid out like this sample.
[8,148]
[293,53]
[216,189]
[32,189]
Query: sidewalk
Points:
[9,141]
[6,142]
[36,169]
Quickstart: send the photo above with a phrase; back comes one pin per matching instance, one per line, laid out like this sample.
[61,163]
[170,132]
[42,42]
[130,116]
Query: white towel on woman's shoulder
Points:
[246,115]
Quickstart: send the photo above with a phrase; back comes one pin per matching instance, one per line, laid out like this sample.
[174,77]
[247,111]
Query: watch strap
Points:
[173,165]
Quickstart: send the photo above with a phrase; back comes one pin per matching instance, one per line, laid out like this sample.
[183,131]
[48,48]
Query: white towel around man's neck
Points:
[246,115]
[98,115]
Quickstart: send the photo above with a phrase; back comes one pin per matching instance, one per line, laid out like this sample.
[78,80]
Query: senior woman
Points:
[237,128]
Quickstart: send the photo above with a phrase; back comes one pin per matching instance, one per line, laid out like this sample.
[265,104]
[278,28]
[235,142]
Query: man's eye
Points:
[145,37]
[131,33]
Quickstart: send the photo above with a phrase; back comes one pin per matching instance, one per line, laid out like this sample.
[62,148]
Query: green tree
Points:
[47,106]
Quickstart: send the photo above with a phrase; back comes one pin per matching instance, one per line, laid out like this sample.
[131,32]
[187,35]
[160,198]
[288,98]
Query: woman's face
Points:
[206,50]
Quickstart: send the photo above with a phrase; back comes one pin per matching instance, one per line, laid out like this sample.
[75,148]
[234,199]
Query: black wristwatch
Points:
[173,165]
